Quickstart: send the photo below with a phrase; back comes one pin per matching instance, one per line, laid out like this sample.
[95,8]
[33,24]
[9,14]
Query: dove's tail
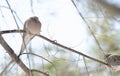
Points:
[26,39]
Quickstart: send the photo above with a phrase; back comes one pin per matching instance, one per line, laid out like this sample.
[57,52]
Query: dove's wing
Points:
[26,40]
[26,37]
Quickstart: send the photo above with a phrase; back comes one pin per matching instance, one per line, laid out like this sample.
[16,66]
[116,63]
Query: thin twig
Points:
[1,12]
[86,66]
[12,13]
[40,72]
[12,31]
[38,56]
[31,4]
[72,50]
[80,14]
[1,74]
[42,58]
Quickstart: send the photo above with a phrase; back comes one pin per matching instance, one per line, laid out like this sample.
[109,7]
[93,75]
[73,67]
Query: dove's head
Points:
[107,55]
[35,18]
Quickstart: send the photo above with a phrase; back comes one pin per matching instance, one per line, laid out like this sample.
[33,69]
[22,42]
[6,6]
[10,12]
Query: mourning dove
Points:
[32,27]
[113,59]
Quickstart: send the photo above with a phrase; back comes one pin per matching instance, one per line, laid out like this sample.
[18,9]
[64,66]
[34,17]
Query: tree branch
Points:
[45,60]
[12,31]
[80,14]
[51,41]
[34,70]
[11,53]
[72,50]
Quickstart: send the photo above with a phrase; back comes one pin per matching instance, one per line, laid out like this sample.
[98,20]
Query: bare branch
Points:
[72,50]
[42,58]
[38,56]
[39,72]
[31,4]
[86,66]
[1,74]
[11,31]
[80,14]
[10,51]
[111,9]
[60,45]
[12,13]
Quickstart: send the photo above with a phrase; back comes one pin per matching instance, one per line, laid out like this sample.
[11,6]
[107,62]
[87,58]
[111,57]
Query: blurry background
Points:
[62,23]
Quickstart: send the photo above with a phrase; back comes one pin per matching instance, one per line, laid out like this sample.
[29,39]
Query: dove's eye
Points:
[115,60]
